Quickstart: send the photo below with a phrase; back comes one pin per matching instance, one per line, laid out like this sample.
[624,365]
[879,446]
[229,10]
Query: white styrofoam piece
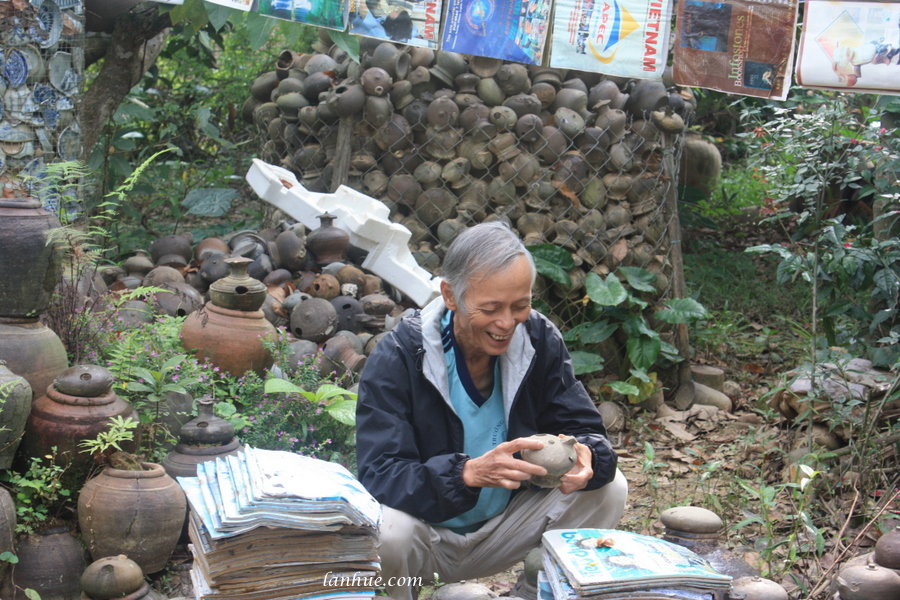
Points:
[363,217]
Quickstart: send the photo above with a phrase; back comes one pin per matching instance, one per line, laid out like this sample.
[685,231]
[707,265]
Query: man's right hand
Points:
[498,468]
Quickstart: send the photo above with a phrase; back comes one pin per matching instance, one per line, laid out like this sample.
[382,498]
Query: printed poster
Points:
[514,30]
[237,4]
[627,38]
[321,13]
[738,47]
[413,22]
[850,46]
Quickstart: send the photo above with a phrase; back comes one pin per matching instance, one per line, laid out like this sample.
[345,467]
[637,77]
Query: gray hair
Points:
[482,250]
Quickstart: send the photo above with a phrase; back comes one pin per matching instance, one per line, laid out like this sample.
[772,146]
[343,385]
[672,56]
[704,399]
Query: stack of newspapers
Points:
[606,564]
[268,525]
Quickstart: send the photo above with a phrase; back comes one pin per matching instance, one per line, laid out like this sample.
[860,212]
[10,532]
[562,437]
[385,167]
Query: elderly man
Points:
[445,402]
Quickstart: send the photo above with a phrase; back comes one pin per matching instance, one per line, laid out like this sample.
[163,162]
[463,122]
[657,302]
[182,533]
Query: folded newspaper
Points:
[267,525]
[607,563]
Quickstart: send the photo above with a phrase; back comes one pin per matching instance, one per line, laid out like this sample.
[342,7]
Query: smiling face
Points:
[495,305]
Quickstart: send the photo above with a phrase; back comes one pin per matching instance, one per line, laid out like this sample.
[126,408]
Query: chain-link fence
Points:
[446,141]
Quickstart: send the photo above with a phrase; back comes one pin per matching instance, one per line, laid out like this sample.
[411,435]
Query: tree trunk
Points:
[138,38]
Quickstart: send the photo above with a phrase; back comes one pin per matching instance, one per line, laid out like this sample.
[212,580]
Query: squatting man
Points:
[445,402]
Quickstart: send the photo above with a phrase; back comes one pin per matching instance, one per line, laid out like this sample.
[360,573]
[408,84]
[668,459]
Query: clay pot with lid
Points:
[30,267]
[238,291]
[887,549]
[201,439]
[756,588]
[698,530]
[112,577]
[15,406]
[558,456]
[327,243]
[314,320]
[172,246]
[64,420]
[136,513]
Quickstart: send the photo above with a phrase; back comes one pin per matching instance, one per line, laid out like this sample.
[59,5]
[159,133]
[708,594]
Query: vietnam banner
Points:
[627,38]
[739,46]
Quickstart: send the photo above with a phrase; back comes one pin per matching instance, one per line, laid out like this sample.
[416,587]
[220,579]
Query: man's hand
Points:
[580,474]
[498,469]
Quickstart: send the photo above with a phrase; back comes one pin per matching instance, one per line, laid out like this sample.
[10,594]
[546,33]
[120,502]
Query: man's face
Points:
[495,306]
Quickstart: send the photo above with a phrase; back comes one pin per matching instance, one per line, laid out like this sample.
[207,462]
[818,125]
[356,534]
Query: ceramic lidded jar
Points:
[232,340]
[30,266]
[238,291]
[15,405]
[33,351]
[112,577]
[328,243]
[201,439]
[558,456]
[63,420]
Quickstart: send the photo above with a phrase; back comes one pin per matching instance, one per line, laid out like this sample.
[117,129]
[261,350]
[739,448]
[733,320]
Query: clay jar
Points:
[314,320]
[50,562]
[328,243]
[64,420]
[30,267]
[201,439]
[15,405]
[136,513]
[558,456]
[33,351]
[229,339]
[238,291]
[112,577]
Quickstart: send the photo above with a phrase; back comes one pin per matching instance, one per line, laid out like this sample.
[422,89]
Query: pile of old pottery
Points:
[239,290]
[446,141]
[872,576]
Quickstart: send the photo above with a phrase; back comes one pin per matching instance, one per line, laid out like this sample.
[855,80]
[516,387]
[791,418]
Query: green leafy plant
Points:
[40,494]
[107,442]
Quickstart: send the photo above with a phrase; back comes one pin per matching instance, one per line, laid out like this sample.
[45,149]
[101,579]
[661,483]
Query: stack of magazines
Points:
[607,564]
[268,525]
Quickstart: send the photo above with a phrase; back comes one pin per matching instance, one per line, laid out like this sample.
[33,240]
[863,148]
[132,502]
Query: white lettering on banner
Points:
[358,580]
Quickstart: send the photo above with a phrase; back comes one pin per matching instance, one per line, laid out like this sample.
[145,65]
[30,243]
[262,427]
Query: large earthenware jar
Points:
[50,562]
[229,339]
[238,291]
[33,351]
[15,404]
[328,242]
[7,527]
[30,266]
[64,420]
[135,513]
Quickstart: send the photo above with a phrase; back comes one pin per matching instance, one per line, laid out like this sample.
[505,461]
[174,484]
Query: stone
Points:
[709,376]
[691,519]
[706,395]
[464,590]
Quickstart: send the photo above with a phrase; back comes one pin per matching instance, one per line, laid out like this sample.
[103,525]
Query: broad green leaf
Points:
[192,13]
[624,388]
[595,333]
[147,375]
[553,254]
[32,594]
[282,386]
[328,391]
[643,351]
[225,409]
[346,42]
[639,279]
[120,165]
[343,411]
[210,202]
[218,14]
[605,293]
[682,310]
[134,386]
[552,271]
[259,28]
[174,362]
[9,557]
[585,362]
[636,326]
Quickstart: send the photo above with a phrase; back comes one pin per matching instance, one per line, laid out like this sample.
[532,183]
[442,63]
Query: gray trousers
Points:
[412,548]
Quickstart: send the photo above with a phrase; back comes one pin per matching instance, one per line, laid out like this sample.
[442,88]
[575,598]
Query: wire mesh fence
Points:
[446,141]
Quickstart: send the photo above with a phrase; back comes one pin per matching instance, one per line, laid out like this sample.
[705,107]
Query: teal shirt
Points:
[484,427]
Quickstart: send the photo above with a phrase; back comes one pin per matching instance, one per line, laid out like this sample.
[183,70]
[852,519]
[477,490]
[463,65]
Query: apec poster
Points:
[627,38]
[850,46]
[413,22]
[322,13]
[739,46]
[514,30]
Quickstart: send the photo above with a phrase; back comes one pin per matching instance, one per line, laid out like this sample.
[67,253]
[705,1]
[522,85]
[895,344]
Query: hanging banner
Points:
[514,30]
[414,22]
[627,38]
[739,47]
[321,13]
[850,46]
[237,4]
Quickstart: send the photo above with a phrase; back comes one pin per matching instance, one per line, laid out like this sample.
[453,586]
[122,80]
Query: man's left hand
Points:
[580,474]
